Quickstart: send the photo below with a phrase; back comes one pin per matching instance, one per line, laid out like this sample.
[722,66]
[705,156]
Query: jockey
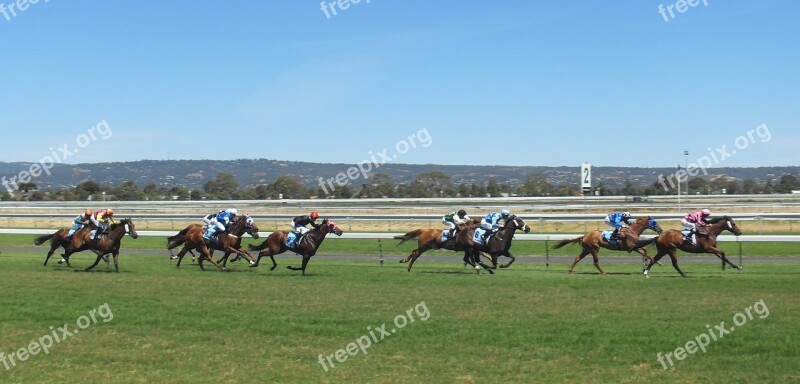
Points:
[618,220]
[454,219]
[299,223]
[491,223]
[101,219]
[211,216]
[695,220]
[220,222]
[80,222]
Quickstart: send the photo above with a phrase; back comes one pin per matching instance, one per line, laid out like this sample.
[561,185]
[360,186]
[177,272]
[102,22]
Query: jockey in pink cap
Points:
[695,220]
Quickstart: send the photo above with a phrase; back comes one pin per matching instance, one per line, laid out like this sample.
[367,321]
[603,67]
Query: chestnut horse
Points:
[243,224]
[673,239]
[499,244]
[307,246]
[628,240]
[428,239]
[103,244]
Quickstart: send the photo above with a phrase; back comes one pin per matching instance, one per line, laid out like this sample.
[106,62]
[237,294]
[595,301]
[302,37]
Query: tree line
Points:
[430,184]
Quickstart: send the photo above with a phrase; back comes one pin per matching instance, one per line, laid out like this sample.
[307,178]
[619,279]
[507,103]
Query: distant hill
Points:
[251,172]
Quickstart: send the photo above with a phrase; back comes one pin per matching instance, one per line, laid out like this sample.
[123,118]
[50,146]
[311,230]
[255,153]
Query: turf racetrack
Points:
[524,324]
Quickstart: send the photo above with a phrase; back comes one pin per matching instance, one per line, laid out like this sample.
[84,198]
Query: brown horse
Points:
[307,246]
[59,239]
[103,244]
[428,239]
[628,241]
[243,224]
[673,239]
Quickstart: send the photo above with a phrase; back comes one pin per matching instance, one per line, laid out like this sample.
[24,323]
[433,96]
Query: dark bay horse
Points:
[628,240]
[275,244]
[228,244]
[499,244]
[104,244]
[672,240]
[428,239]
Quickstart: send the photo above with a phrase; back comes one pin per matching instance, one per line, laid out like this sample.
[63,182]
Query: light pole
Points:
[679,190]
[686,155]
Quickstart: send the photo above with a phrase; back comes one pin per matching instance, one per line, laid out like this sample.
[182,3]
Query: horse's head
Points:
[731,226]
[250,226]
[516,222]
[652,224]
[332,228]
[129,227]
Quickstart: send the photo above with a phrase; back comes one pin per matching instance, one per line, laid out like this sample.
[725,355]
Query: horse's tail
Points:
[256,248]
[41,239]
[409,236]
[568,241]
[178,239]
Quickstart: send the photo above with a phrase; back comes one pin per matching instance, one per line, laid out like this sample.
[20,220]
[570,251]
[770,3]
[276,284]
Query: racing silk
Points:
[492,221]
[101,217]
[696,218]
[302,221]
[454,218]
[618,219]
[224,218]
[79,222]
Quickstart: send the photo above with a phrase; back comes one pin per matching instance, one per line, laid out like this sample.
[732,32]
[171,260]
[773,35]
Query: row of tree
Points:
[431,184]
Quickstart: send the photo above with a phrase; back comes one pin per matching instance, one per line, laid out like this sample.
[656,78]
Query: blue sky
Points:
[513,82]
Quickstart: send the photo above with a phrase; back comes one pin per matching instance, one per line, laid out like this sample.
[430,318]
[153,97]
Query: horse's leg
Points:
[417,253]
[241,252]
[578,258]
[53,248]
[674,258]
[724,259]
[303,266]
[204,254]
[96,261]
[596,260]
[508,254]
[224,259]
[180,256]
[116,261]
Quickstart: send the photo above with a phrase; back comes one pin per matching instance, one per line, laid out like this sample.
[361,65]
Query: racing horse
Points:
[307,246]
[628,240]
[428,239]
[673,239]
[228,244]
[498,244]
[103,244]
[58,239]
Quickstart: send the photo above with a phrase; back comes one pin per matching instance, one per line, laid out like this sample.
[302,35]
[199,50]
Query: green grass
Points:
[337,246]
[524,324]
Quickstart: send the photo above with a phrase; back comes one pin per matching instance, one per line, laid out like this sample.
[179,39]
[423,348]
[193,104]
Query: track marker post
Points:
[380,247]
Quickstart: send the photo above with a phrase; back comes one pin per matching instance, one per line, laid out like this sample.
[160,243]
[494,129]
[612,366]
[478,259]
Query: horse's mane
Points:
[716,220]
